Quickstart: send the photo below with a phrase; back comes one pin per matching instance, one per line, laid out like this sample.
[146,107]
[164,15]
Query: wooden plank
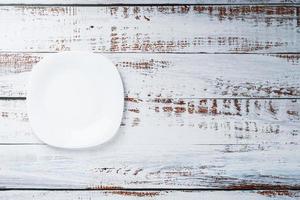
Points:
[180,76]
[183,121]
[151,166]
[195,28]
[111,2]
[160,195]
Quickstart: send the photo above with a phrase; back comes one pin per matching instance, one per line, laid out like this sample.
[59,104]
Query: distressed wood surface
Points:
[195,28]
[140,2]
[220,110]
[160,195]
[165,143]
[180,76]
[119,165]
[183,121]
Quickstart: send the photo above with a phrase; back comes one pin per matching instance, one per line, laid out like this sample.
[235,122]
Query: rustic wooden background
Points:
[212,99]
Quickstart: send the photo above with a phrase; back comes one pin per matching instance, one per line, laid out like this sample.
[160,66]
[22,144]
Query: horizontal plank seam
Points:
[12,98]
[153,189]
[191,98]
[151,4]
[153,53]
[216,144]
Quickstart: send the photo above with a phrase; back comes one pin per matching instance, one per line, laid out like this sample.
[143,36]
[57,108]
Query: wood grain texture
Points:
[191,120]
[120,165]
[180,76]
[165,143]
[109,2]
[183,121]
[214,29]
[160,195]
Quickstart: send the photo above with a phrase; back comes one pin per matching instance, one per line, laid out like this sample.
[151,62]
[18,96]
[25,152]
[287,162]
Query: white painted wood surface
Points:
[150,28]
[212,99]
[120,164]
[180,76]
[128,2]
[160,195]
[183,121]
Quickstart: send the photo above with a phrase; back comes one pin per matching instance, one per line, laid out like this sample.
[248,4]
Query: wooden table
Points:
[212,99]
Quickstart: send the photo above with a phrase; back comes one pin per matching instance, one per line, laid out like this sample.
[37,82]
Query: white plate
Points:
[75,99]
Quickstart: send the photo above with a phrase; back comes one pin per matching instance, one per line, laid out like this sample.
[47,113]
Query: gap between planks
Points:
[193,98]
[164,52]
[169,194]
[247,188]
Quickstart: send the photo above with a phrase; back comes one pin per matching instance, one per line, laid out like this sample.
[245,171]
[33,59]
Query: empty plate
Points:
[75,99]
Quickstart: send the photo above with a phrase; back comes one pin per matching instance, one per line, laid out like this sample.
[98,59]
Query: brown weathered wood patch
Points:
[199,121]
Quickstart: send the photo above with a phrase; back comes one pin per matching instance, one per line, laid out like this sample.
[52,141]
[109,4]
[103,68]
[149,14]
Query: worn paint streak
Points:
[132,99]
[165,109]
[256,186]
[291,58]
[15,115]
[137,171]
[144,64]
[239,44]
[226,87]
[244,113]
[135,121]
[135,110]
[135,193]
[17,63]
[182,173]
[123,171]
[114,39]
[274,193]
[292,112]
[22,62]
[226,11]
[242,119]
[214,106]
[45,10]
[105,187]
[237,12]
